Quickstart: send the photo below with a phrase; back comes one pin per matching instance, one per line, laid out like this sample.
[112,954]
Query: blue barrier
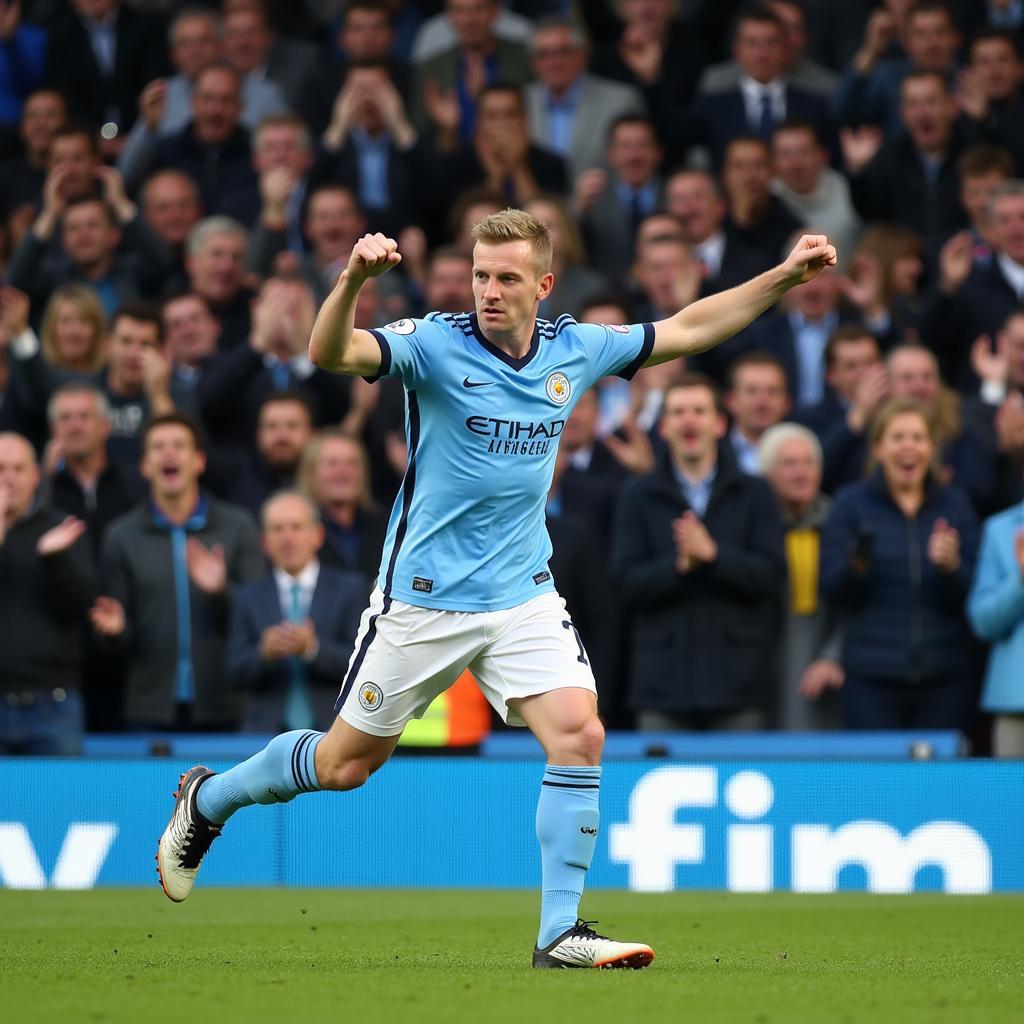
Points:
[737,825]
[836,746]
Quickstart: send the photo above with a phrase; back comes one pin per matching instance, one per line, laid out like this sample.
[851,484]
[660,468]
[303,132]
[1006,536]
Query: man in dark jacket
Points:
[698,551]
[168,566]
[292,631]
[47,581]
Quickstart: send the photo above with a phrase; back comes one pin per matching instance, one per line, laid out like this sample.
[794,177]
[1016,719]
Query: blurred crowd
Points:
[818,525]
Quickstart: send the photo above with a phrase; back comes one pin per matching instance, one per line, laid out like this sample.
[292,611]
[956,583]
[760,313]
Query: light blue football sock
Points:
[567,820]
[280,771]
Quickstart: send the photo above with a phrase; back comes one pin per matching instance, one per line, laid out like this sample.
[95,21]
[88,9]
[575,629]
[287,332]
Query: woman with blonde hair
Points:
[896,561]
[71,349]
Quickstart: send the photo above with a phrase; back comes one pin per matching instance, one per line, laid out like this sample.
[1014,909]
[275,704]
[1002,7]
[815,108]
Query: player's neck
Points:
[515,343]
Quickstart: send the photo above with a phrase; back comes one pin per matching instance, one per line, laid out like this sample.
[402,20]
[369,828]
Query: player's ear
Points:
[547,282]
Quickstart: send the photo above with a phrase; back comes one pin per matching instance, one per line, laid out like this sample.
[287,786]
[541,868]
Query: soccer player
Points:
[464,580]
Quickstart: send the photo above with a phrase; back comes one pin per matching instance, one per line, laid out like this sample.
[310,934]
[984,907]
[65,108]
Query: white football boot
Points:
[581,946]
[186,839]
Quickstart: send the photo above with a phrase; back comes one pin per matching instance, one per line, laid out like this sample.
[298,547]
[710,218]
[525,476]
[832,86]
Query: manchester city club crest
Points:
[370,696]
[558,388]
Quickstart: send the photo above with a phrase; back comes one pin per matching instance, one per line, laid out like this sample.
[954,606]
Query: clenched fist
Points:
[372,256]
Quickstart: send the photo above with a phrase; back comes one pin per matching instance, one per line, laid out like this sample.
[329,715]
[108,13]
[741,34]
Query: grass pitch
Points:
[390,957]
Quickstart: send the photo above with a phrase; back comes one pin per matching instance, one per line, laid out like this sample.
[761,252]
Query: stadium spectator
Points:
[42,114]
[105,243]
[695,199]
[995,608]
[258,53]
[71,348]
[757,400]
[191,335]
[762,97]
[335,475]
[22,65]
[234,386]
[612,205]
[170,206]
[569,109]
[698,554]
[446,86]
[797,68]
[499,155]
[74,159]
[575,282]
[666,276]
[437,34]
[213,149]
[596,469]
[100,55]
[332,225]
[857,387]
[371,147]
[813,192]
[884,282]
[366,36]
[810,672]
[756,219]
[282,157]
[912,177]
[168,565]
[291,632]
[970,300]
[215,263]
[869,93]
[990,88]
[82,481]
[448,284]
[137,381]
[982,169]
[47,582]
[284,428]
[897,556]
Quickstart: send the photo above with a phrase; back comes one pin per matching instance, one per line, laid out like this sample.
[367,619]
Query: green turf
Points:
[393,957]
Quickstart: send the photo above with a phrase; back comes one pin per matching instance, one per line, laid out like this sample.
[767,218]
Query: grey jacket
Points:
[601,102]
[139,572]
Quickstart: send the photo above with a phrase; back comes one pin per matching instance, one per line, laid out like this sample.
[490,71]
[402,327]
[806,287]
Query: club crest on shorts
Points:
[558,388]
[370,696]
[403,326]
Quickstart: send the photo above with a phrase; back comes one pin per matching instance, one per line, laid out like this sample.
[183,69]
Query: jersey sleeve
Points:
[616,349]
[408,349]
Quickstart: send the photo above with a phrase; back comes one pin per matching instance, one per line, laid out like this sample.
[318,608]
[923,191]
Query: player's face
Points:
[507,287]
[171,462]
[290,536]
[690,423]
[796,475]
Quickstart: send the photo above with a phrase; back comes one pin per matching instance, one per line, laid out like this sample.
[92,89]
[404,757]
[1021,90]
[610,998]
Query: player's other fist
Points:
[372,256]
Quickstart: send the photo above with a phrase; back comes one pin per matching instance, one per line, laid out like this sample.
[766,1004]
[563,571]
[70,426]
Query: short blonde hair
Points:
[511,225]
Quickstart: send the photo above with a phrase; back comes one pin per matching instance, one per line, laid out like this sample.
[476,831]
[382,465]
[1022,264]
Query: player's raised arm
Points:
[710,321]
[335,344]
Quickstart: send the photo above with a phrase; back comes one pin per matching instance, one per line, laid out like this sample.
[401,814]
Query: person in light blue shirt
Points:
[464,581]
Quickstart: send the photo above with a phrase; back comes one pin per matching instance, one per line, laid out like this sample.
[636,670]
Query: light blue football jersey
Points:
[467,531]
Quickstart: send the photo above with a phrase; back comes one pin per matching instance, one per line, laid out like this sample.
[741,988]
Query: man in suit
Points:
[757,400]
[972,300]
[698,555]
[695,199]
[291,632]
[234,386]
[100,55]
[445,86]
[282,156]
[762,98]
[569,109]
[215,264]
[611,207]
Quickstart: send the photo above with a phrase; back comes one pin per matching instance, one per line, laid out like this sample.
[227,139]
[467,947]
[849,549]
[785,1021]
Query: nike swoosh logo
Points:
[467,383]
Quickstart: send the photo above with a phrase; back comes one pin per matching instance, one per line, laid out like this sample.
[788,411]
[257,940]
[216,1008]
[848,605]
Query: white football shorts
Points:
[405,657]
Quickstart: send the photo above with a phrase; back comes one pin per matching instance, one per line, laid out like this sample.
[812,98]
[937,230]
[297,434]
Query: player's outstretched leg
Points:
[287,766]
[566,723]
